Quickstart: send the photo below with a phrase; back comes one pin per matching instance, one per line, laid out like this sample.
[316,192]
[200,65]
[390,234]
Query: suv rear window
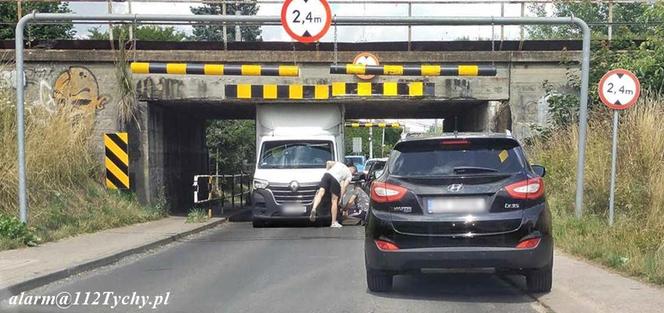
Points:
[449,157]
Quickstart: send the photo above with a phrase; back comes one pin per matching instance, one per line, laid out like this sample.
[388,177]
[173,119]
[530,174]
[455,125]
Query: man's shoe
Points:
[335,225]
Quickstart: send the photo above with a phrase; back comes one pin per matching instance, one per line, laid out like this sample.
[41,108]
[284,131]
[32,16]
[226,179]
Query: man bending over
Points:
[334,183]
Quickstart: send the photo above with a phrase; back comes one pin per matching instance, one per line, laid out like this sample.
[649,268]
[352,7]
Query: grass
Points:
[197,216]
[65,193]
[635,243]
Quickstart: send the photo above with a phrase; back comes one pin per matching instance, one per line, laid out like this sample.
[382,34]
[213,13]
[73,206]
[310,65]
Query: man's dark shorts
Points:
[330,184]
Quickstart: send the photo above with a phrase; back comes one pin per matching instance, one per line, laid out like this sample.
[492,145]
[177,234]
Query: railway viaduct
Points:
[167,132]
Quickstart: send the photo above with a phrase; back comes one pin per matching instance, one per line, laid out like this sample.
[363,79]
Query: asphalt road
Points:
[235,268]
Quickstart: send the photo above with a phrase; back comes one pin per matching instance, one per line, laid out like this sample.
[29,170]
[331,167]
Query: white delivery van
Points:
[293,142]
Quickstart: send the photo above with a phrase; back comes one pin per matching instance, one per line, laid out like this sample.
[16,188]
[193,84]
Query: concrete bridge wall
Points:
[171,109]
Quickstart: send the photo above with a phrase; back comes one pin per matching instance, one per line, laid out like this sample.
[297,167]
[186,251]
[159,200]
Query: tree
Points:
[628,15]
[392,135]
[145,32]
[8,18]
[230,142]
[215,32]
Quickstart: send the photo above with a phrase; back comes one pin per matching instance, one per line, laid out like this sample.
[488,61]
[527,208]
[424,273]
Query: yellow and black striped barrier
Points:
[274,92]
[214,69]
[322,92]
[414,70]
[385,89]
[117,160]
[370,124]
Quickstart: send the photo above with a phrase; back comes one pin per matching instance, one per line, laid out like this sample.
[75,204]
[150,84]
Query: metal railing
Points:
[211,190]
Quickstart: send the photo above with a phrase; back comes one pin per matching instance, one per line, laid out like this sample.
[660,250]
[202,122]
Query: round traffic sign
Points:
[306,20]
[619,89]
[366,58]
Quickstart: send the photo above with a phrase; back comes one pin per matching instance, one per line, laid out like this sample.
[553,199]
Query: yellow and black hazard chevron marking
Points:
[414,70]
[273,91]
[214,69]
[322,92]
[117,160]
[385,89]
[369,124]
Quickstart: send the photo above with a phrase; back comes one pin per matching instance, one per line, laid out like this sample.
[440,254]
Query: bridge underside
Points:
[173,134]
[355,109]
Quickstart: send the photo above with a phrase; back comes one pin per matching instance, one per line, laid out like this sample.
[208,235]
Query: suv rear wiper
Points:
[473,169]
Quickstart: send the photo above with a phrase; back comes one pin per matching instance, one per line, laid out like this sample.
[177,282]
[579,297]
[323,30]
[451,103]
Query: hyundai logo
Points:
[294,186]
[455,187]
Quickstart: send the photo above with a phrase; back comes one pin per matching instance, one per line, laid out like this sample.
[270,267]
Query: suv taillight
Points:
[529,189]
[384,192]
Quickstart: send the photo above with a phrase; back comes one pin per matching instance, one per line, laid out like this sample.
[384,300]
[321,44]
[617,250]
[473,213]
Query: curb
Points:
[102,261]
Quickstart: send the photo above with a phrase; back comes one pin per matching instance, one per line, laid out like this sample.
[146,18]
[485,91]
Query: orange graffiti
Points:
[77,86]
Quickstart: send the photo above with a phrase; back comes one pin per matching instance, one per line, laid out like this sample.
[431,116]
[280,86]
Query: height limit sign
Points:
[619,90]
[306,20]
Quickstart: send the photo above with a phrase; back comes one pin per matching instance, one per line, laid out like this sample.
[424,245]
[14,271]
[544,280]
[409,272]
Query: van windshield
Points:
[295,154]
[470,157]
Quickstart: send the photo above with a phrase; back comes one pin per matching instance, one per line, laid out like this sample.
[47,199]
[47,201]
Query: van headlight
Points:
[260,183]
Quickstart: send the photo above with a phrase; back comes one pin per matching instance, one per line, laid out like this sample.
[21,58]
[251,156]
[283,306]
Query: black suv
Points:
[459,201]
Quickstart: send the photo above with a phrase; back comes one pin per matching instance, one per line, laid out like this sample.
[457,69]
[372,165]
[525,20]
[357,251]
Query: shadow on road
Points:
[455,287]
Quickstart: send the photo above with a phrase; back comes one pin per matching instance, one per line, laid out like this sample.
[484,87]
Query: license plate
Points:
[456,205]
[294,209]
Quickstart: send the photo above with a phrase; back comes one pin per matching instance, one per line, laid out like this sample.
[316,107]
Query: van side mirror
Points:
[539,170]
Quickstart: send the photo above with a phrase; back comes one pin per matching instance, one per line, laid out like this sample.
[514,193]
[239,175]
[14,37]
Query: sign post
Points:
[619,89]
[306,21]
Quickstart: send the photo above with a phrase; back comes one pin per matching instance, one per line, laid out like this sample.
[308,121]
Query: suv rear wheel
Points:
[378,281]
[541,279]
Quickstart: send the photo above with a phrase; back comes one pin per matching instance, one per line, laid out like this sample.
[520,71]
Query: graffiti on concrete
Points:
[78,86]
[161,88]
[46,97]
[459,87]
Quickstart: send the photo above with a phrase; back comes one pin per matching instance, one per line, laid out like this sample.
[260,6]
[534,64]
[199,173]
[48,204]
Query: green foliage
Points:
[197,216]
[634,243]
[230,143]
[646,60]
[11,228]
[61,30]
[392,135]
[65,193]
[215,32]
[592,13]
[145,32]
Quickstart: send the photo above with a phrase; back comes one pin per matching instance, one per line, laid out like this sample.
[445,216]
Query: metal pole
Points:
[241,189]
[19,9]
[20,120]
[610,30]
[275,20]
[110,25]
[382,145]
[238,32]
[131,27]
[614,157]
[233,192]
[370,142]
[521,31]
[224,28]
[583,115]
[502,27]
[410,28]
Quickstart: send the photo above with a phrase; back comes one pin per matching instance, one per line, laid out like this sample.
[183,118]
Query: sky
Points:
[345,33]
